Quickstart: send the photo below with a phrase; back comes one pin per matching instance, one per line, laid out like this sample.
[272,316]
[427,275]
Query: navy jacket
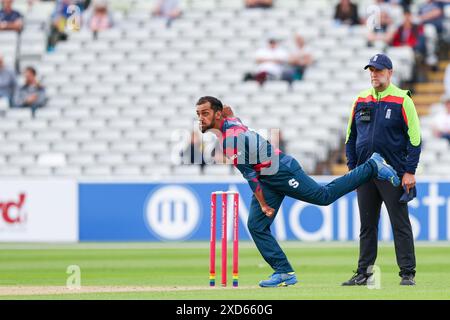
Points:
[384,122]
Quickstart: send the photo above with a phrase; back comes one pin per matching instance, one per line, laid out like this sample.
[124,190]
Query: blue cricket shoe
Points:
[279,280]
[385,171]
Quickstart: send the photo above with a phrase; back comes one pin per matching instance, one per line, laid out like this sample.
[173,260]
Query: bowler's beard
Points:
[211,126]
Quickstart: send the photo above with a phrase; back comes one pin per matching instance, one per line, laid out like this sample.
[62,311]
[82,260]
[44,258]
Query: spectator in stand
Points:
[441,124]
[431,12]
[100,18]
[265,4]
[10,20]
[83,4]
[63,10]
[346,13]
[411,35]
[58,24]
[271,61]
[404,4]
[31,95]
[8,82]
[300,58]
[168,9]
[432,16]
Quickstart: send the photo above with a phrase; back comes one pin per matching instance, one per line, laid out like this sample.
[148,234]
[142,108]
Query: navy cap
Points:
[380,61]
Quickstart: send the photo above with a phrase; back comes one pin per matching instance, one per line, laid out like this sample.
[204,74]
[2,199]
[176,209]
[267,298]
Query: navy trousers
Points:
[292,181]
[371,195]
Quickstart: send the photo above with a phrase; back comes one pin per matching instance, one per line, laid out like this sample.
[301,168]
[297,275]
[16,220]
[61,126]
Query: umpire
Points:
[384,120]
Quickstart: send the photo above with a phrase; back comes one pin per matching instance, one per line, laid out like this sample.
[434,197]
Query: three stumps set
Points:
[224,238]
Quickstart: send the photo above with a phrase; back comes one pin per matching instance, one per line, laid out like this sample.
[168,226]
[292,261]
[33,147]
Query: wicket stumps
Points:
[212,248]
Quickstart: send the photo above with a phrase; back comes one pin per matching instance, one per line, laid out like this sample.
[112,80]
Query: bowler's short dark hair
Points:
[215,103]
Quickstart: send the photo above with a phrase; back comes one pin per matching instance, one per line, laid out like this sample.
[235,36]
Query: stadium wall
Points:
[181,211]
[71,211]
[39,211]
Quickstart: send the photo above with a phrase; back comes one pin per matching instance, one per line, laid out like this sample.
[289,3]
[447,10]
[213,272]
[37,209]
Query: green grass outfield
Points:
[180,271]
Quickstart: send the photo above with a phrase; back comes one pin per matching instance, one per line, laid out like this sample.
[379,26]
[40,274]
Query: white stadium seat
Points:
[49,135]
[127,170]
[78,136]
[67,147]
[68,171]
[11,171]
[36,147]
[97,170]
[111,159]
[22,159]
